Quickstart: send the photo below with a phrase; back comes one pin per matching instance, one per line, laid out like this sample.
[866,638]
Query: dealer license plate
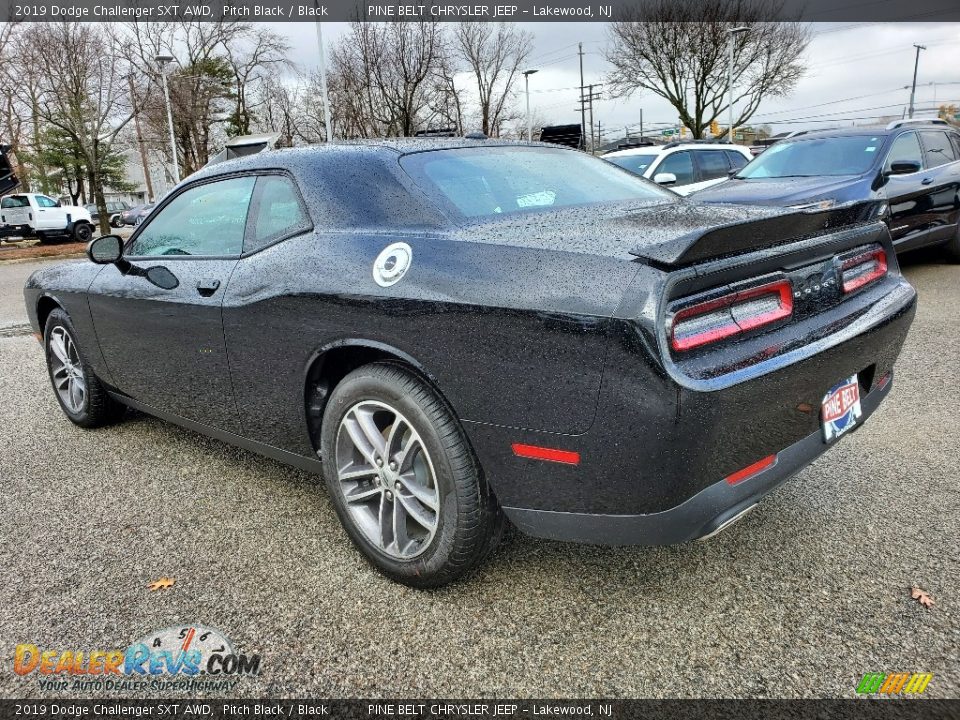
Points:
[840,409]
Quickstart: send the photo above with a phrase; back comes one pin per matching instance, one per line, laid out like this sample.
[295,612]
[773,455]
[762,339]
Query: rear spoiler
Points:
[743,236]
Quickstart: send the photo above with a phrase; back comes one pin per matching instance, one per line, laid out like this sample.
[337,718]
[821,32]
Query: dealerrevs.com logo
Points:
[192,657]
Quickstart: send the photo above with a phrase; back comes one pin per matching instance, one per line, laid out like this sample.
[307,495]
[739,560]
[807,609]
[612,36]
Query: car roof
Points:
[875,130]
[659,149]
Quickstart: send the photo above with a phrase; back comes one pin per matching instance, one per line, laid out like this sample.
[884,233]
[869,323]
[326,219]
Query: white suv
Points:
[27,214]
[683,167]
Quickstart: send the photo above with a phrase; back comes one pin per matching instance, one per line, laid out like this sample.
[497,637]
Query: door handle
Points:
[207,286]
[926,181]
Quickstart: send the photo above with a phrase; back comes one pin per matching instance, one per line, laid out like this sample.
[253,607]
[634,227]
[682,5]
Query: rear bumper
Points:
[702,514]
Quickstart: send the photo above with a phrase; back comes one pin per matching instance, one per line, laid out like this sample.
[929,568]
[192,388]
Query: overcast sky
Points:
[863,66]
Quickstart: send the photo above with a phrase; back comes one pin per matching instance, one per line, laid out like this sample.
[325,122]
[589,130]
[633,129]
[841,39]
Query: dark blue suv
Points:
[912,164]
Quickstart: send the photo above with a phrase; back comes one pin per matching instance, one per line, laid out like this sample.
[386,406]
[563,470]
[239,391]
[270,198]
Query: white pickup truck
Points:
[33,214]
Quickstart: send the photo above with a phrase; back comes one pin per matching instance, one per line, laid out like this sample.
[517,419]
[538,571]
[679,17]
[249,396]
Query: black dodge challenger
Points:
[455,333]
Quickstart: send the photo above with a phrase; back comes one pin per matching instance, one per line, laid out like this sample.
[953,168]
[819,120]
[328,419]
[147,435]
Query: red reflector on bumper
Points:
[750,470]
[534,452]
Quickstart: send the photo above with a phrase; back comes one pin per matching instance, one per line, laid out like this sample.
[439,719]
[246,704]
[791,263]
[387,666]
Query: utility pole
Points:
[323,80]
[143,149]
[641,123]
[583,116]
[526,80]
[586,106]
[593,145]
[732,32]
[913,90]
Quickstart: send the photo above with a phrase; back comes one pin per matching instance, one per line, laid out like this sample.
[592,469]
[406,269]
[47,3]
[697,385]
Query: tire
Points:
[92,407]
[417,545]
[82,232]
[116,223]
[952,248]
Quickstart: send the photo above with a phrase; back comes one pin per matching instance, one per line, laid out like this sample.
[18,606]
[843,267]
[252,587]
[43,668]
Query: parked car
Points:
[40,216]
[683,167]
[135,215]
[454,332]
[914,166]
[114,208]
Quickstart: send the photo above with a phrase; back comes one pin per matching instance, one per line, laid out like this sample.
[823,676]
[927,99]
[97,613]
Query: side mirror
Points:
[105,250]
[665,179]
[731,172]
[904,167]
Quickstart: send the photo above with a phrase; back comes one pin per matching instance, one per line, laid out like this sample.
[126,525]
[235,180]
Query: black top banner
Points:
[461,10]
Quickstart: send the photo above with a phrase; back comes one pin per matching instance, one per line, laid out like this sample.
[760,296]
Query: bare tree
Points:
[678,49]
[384,77]
[81,94]
[257,54]
[201,83]
[494,54]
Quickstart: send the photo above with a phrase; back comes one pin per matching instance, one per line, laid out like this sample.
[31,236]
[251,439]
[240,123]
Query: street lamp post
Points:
[913,90]
[164,60]
[526,79]
[733,32]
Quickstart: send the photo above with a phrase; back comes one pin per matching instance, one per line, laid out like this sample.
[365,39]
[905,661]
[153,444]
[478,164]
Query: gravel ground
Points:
[799,599]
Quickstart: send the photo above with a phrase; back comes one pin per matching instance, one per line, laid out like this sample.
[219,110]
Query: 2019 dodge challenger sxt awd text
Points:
[458,332]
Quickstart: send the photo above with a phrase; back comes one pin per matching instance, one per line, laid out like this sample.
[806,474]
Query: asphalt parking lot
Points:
[800,599]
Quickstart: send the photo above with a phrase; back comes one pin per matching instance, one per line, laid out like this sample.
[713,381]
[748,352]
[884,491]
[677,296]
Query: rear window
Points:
[15,201]
[834,156]
[488,181]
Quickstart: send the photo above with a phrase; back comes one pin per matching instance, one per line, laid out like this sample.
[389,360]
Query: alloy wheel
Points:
[66,369]
[387,479]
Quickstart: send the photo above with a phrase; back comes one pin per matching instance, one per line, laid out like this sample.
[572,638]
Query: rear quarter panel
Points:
[511,336]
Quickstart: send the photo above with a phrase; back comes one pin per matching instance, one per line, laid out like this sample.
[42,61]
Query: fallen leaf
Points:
[161,584]
[922,596]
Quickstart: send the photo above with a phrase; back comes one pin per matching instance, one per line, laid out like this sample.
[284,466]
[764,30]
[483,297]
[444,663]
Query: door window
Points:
[207,219]
[277,212]
[906,148]
[45,202]
[712,164]
[937,148]
[681,165]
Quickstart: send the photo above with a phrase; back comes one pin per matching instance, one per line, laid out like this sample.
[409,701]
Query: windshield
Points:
[847,155]
[637,164]
[488,181]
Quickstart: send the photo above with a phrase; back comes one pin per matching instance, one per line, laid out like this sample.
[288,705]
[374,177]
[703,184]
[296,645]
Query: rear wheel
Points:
[952,248]
[81,395]
[82,232]
[403,479]
[116,222]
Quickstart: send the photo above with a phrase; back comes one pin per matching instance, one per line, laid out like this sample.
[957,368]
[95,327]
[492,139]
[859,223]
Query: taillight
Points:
[862,269]
[737,312]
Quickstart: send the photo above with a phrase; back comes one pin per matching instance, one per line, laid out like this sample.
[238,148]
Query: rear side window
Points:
[955,139]
[906,148]
[681,165]
[735,159]
[713,164]
[937,148]
[277,212]
[15,201]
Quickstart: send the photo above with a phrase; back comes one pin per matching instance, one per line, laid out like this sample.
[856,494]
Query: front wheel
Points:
[403,479]
[80,393]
